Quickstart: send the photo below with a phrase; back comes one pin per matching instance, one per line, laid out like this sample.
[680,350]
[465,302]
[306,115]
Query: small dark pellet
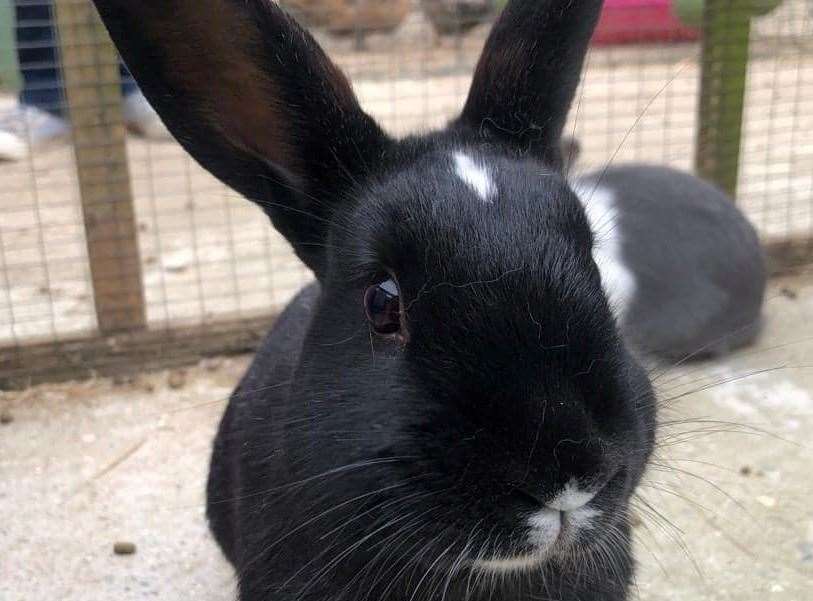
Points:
[177,379]
[124,548]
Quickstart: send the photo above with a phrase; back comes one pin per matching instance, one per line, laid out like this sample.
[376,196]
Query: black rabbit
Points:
[449,412]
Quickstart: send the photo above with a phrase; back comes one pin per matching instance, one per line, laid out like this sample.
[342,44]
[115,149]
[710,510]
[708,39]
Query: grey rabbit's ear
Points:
[528,73]
[256,101]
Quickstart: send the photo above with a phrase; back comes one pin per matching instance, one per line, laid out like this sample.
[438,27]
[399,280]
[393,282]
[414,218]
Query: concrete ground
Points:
[85,465]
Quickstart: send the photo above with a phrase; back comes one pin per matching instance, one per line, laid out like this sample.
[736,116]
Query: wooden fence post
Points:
[726,31]
[93,90]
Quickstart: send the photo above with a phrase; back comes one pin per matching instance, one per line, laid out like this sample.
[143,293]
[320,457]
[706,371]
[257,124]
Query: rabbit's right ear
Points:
[254,100]
[528,73]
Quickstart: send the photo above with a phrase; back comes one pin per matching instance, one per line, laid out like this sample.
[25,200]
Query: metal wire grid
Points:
[207,256]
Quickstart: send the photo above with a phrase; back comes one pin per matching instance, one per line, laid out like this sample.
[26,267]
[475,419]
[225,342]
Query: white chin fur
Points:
[545,527]
[520,563]
[546,532]
[617,279]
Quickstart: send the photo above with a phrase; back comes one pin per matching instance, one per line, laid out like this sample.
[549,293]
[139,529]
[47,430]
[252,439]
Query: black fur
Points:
[528,73]
[254,99]
[354,466]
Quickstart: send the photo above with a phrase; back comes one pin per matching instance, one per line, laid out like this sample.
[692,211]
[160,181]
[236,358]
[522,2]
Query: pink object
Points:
[631,21]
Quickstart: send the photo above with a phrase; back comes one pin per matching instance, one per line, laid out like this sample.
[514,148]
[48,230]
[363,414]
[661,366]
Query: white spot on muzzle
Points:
[571,497]
[559,523]
[582,518]
[475,176]
[545,526]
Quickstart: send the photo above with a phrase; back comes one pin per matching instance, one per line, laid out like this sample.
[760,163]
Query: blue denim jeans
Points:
[38,56]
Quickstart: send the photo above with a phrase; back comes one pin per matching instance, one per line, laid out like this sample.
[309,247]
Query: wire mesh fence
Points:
[117,250]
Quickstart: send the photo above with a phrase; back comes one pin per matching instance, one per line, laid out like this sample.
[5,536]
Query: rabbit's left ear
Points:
[256,101]
[528,73]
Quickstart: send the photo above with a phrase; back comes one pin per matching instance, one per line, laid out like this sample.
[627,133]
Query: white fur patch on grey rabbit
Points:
[681,265]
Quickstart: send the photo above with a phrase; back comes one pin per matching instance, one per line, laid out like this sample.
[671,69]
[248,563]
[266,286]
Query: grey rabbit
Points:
[682,265]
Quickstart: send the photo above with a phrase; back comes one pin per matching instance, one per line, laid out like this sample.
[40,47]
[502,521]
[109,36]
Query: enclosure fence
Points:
[118,253]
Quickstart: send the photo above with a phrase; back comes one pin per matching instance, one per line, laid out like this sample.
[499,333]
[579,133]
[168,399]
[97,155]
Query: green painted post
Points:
[9,69]
[726,30]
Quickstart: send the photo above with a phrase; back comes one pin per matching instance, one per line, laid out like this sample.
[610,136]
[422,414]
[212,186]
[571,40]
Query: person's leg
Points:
[40,116]
[38,56]
[37,118]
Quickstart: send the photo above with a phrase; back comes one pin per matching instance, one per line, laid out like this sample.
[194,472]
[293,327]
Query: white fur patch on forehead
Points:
[475,177]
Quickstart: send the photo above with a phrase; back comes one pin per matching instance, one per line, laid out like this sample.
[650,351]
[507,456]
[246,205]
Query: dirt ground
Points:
[207,255]
[86,465]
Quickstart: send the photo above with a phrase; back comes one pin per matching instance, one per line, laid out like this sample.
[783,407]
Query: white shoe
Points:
[142,119]
[12,147]
[25,128]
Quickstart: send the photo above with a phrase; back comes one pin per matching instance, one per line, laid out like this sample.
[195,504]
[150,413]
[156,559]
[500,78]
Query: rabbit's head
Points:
[461,330]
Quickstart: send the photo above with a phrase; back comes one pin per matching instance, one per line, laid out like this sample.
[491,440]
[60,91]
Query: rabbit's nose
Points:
[586,466]
[570,497]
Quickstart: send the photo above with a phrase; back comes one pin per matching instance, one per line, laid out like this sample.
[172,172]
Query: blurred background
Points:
[118,252]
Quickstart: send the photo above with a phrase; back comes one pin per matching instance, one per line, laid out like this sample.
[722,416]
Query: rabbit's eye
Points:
[383,305]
